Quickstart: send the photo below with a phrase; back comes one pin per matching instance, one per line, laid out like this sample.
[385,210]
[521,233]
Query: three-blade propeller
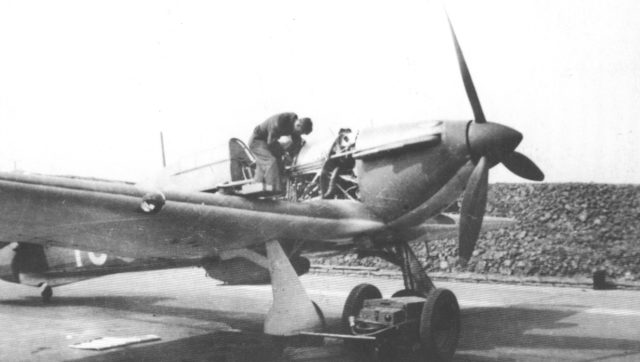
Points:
[489,144]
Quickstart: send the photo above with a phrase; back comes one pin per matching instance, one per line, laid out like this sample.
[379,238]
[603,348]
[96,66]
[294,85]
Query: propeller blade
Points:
[466,79]
[472,210]
[522,166]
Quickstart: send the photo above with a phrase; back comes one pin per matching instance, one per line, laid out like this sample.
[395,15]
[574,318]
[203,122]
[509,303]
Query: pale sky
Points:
[86,86]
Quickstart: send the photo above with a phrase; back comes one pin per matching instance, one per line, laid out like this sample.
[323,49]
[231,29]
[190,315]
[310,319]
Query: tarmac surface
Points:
[199,320]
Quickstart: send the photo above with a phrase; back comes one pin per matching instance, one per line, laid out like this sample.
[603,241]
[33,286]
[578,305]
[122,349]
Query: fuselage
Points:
[32,264]
[419,179]
[401,168]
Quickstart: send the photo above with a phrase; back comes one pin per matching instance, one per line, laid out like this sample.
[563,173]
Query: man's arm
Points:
[272,139]
[296,145]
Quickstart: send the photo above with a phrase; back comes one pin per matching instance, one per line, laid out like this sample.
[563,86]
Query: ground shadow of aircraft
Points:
[488,328]
[150,305]
[377,190]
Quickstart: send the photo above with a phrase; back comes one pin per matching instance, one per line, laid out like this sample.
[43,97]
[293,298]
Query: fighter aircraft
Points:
[376,190]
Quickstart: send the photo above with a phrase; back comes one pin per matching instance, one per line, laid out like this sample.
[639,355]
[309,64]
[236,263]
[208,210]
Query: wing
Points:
[445,226]
[442,226]
[106,217]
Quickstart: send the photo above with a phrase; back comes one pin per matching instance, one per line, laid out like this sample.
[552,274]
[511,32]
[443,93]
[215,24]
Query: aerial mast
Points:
[164,160]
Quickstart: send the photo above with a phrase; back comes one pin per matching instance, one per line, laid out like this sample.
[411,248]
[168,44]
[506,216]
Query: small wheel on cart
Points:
[440,325]
[352,307]
[355,301]
[323,321]
[313,340]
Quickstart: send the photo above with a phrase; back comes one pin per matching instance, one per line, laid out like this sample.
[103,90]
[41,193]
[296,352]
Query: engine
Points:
[325,170]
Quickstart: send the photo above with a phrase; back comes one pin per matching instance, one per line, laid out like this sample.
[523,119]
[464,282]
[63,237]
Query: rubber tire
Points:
[320,315]
[355,301]
[440,325]
[407,293]
[352,307]
[300,264]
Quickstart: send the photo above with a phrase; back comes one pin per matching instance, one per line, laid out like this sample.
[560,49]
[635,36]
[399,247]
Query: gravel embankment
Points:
[562,230]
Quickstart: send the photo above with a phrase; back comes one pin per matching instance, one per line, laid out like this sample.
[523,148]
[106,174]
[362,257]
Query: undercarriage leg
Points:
[433,331]
[416,280]
[414,275]
[292,311]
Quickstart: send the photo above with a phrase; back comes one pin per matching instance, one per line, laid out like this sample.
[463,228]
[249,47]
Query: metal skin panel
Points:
[105,217]
[393,136]
[34,264]
[438,201]
[313,155]
[69,266]
[394,184]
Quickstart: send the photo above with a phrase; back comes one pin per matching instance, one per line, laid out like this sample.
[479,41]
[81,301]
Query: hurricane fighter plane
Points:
[375,191]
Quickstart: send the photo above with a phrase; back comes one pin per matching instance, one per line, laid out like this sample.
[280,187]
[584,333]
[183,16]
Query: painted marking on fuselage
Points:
[78,258]
[96,259]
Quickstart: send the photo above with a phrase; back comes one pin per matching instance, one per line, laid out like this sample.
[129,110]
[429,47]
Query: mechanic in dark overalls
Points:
[269,152]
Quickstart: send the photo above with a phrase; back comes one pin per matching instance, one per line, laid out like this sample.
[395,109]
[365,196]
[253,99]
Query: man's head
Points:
[303,126]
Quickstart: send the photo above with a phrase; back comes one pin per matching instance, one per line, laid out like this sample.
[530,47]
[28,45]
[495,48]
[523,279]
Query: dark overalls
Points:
[268,151]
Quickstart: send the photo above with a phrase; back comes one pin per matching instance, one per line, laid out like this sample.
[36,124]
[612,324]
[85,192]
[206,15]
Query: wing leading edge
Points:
[445,226]
[106,217]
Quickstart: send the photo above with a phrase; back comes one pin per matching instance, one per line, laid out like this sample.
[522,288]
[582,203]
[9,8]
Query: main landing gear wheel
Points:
[440,325]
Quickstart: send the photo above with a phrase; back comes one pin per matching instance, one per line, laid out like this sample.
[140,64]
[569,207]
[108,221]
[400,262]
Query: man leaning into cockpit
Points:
[269,152]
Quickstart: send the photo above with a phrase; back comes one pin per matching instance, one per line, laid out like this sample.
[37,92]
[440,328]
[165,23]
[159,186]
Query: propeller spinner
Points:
[489,143]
